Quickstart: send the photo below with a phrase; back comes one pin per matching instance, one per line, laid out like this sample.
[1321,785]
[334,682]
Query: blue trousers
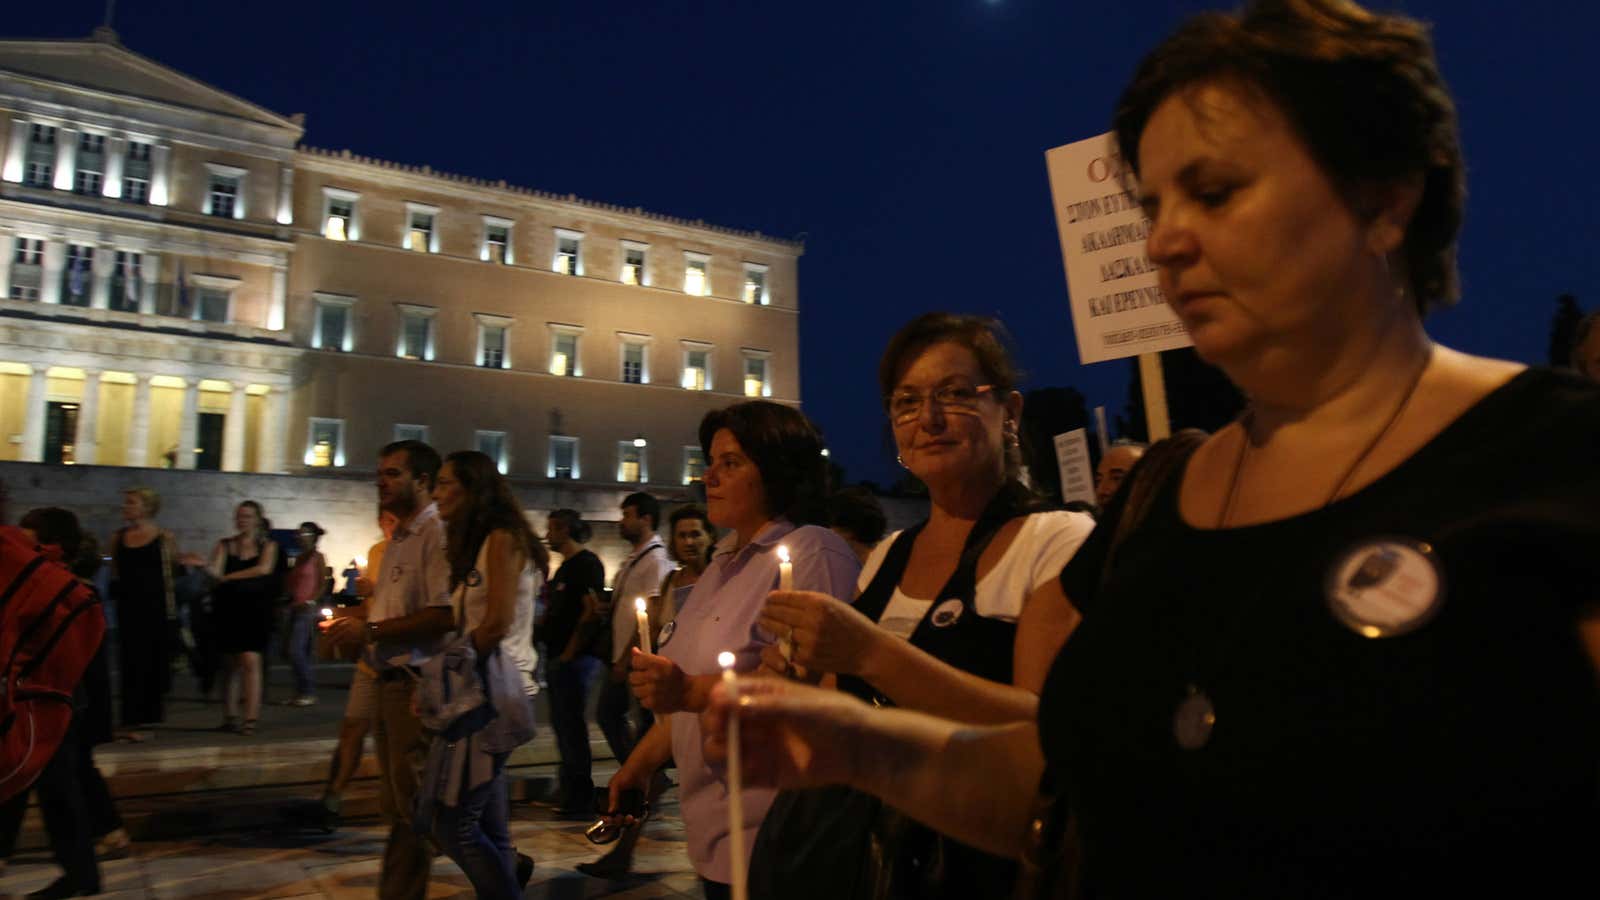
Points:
[302,643]
[476,834]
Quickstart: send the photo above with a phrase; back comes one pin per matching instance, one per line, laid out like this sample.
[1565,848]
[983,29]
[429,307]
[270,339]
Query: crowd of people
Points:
[1345,646]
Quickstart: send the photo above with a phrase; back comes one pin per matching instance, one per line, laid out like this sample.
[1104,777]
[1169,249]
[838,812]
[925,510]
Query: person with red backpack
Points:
[73,798]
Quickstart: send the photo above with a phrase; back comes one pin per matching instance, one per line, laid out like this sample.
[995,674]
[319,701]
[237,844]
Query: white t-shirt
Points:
[1040,551]
[517,645]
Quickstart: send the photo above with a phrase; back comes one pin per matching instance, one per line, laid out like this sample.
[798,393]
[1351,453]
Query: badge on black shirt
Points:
[1383,587]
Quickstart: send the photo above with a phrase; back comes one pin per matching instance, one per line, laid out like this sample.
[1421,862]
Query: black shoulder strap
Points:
[875,599]
[1164,460]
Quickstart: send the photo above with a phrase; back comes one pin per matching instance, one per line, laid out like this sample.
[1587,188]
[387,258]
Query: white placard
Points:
[1117,307]
[1072,457]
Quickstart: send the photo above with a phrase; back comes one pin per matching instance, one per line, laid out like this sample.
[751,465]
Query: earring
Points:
[901,460]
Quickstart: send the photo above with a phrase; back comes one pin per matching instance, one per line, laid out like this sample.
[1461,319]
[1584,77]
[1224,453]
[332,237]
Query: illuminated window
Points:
[633,363]
[331,329]
[563,457]
[493,445]
[135,190]
[41,155]
[416,331]
[496,241]
[86,181]
[631,464]
[756,382]
[339,215]
[564,355]
[136,173]
[76,278]
[696,274]
[325,443]
[696,366]
[91,164]
[27,269]
[493,341]
[755,284]
[411,433]
[633,269]
[569,253]
[127,281]
[694,465]
[420,235]
[224,197]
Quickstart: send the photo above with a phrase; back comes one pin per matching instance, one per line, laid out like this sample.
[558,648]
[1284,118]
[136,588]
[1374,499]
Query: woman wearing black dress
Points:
[142,554]
[242,605]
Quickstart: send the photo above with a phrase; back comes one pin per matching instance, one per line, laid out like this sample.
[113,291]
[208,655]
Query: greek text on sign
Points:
[1072,458]
[1117,306]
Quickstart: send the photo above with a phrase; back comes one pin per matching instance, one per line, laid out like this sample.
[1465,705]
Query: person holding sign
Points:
[766,482]
[1349,646]
[959,616]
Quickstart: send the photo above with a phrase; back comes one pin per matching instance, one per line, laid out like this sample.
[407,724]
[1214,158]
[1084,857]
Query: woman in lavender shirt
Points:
[765,481]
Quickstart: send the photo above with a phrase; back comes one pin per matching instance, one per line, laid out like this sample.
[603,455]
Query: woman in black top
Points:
[1350,647]
[242,604]
[142,554]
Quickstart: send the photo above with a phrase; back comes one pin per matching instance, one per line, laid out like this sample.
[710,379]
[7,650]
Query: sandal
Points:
[248,728]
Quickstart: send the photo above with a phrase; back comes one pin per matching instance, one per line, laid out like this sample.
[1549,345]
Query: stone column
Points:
[139,428]
[55,261]
[286,194]
[274,434]
[33,415]
[189,423]
[277,307]
[8,252]
[105,261]
[66,157]
[160,194]
[116,152]
[233,431]
[16,152]
[87,440]
[150,268]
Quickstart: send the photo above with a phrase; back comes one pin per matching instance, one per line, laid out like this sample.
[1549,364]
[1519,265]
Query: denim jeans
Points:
[476,834]
[302,643]
[569,693]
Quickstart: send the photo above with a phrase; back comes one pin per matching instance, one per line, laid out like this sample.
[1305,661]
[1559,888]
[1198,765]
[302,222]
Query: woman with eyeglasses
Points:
[959,616]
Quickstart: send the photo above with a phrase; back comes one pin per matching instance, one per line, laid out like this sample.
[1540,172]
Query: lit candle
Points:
[327,613]
[785,569]
[644,624]
[735,791]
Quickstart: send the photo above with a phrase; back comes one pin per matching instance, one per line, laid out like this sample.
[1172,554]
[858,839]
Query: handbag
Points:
[1051,861]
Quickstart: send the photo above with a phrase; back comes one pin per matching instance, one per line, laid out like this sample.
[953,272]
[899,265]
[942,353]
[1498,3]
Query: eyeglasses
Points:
[905,406]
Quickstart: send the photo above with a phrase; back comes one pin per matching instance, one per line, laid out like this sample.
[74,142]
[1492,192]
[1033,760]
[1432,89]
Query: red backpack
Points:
[51,625]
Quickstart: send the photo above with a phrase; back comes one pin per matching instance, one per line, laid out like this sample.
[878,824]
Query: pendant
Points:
[1194,720]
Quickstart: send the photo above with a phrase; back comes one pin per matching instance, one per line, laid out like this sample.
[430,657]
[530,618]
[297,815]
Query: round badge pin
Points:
[947,613]
[474,578]
[1194,720]
[666,633]
[1384,587]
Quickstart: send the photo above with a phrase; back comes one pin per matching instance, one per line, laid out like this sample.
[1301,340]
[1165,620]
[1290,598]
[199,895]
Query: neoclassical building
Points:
[185,283]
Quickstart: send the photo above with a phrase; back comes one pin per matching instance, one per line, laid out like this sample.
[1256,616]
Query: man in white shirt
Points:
[408,620]
[640,575]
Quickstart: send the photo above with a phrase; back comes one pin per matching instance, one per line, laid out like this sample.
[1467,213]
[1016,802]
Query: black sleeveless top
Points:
[1461,754]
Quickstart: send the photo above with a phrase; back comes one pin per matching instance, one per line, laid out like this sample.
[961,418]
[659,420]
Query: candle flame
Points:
[725,659]
[327,613]
[783,553]
[639,604]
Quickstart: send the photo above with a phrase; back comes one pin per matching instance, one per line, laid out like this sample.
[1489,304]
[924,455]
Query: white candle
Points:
[735,791]
[644,624]
[785,569]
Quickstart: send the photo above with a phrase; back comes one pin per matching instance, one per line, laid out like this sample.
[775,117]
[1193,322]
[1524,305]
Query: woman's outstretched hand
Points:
[790,735]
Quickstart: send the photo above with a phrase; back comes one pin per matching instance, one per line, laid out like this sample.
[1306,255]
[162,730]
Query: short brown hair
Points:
[1361,90]
[148,497]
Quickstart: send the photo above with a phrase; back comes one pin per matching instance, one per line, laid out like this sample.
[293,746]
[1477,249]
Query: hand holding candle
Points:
[640,609]
[735,789]
[785,583]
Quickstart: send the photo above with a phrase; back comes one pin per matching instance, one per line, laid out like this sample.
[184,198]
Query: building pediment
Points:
[105,66]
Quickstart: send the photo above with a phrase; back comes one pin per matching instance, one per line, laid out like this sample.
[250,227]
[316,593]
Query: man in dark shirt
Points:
[573,624]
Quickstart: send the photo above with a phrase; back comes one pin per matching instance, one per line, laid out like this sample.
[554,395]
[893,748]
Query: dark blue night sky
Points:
[904,140]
